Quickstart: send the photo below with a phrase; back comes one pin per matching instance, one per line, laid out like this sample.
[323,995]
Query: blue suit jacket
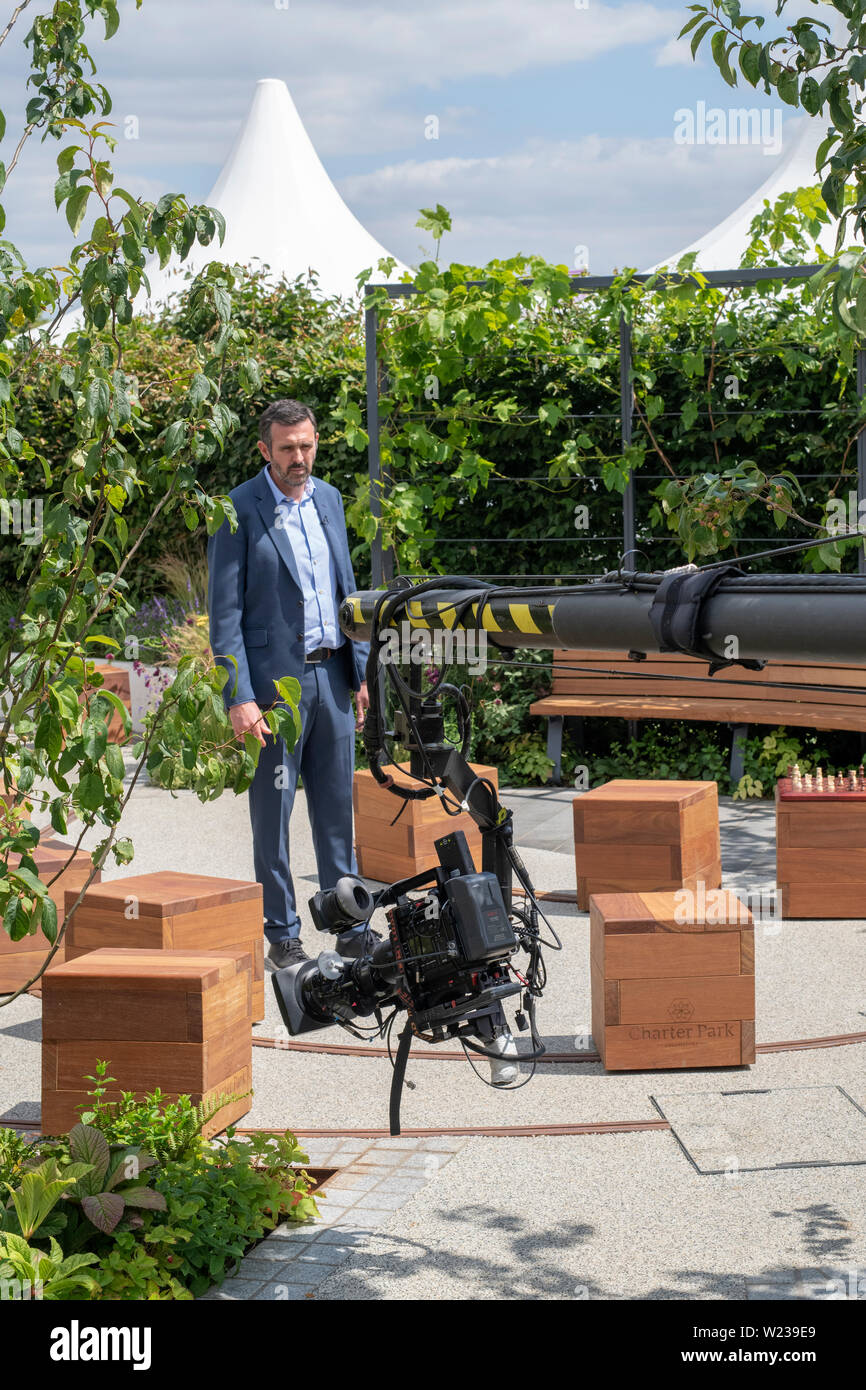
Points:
[255,601]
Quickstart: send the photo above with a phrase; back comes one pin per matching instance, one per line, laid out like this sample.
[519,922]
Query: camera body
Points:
[445,961]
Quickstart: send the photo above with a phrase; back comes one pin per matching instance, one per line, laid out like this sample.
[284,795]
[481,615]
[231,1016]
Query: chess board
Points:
[787,793]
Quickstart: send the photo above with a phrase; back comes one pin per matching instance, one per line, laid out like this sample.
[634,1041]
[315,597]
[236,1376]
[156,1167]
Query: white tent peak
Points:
[281,208]
[722,247]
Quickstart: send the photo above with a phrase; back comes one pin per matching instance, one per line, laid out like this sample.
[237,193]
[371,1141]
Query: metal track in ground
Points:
[550,1058]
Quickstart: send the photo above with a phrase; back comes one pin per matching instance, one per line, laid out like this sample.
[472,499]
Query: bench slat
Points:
[725,711]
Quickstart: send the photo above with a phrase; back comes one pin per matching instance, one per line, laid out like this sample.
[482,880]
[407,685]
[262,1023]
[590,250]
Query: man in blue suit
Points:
[274,591]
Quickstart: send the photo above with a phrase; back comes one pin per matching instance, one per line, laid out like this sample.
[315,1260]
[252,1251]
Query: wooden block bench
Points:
[821,853]
[19,960]
[653,834]
[739,696]
[179,1020]
[673,980]
[387,852]
[173,911]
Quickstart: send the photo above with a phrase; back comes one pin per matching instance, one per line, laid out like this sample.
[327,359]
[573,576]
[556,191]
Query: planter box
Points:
[174,911]
[180,1020]
[652,835]
[668,993]
[387,852]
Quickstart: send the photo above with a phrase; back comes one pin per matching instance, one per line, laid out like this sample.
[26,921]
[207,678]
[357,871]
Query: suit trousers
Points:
[324,755]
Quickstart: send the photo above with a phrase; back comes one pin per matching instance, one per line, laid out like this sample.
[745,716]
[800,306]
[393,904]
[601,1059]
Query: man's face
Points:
[292,453]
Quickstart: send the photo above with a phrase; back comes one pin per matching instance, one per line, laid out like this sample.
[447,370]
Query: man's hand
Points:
[362,704]
[248,717]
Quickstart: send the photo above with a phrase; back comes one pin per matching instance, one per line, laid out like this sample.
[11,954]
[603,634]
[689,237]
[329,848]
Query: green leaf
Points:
[144,1197]
[174,439]
[66,158]
[112,18]
[95,738]
[104,1209]
[87,1144]
[748,57]
[114,761]
[199,390]
[788,88]
[98,398]
[48,919]
[91,791]
[76,207]
[700,34]
[49,735]
[31,881]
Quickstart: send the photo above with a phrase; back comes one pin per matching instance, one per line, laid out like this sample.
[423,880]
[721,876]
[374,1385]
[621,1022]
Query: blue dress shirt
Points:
[315,561]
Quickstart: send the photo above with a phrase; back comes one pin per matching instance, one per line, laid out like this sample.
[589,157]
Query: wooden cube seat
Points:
[657,835]
[19,960]
[387,852]
[673,980]
[821,852]
[178,1020]
[174,911]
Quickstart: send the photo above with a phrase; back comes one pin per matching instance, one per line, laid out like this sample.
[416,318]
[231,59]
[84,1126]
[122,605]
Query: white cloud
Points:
[631,202]
[676,53]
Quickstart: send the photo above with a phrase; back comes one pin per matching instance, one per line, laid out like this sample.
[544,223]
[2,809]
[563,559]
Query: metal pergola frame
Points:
[382,561]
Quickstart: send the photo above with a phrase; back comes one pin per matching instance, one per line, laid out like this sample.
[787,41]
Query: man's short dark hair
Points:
[283,413]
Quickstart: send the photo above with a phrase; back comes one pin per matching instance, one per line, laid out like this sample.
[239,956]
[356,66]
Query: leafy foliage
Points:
[809,69]
[121,443]
[51,1276]
[166,1128]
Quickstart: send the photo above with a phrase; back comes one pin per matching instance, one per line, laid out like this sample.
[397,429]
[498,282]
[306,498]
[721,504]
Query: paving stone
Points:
[395,1142]
[300,1231]
[383,1158]
[406,1185]
[236,1289]
[429,1163]
[357,1182]
[323,1254]
[378,1200]
[269,1271]
[366,1217]
[267,1252]
[349,1239]
[283,1293]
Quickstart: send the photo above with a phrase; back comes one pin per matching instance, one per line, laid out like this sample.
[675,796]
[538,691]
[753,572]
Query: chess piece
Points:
[831,783]
[819,779]
[807,782]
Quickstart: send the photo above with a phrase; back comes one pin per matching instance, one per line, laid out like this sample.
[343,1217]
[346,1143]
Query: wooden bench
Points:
[737,696]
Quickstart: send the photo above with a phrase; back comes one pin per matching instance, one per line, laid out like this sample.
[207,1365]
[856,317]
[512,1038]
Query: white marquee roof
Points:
[722,247]
[281,210]
[280,206]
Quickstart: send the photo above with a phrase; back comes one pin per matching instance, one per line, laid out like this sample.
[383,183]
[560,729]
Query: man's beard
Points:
[293,476]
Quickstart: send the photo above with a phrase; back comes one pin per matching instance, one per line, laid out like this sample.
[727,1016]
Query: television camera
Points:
[447,962]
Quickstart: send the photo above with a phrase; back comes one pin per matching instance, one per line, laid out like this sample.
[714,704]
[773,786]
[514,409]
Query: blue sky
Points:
[555,123]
